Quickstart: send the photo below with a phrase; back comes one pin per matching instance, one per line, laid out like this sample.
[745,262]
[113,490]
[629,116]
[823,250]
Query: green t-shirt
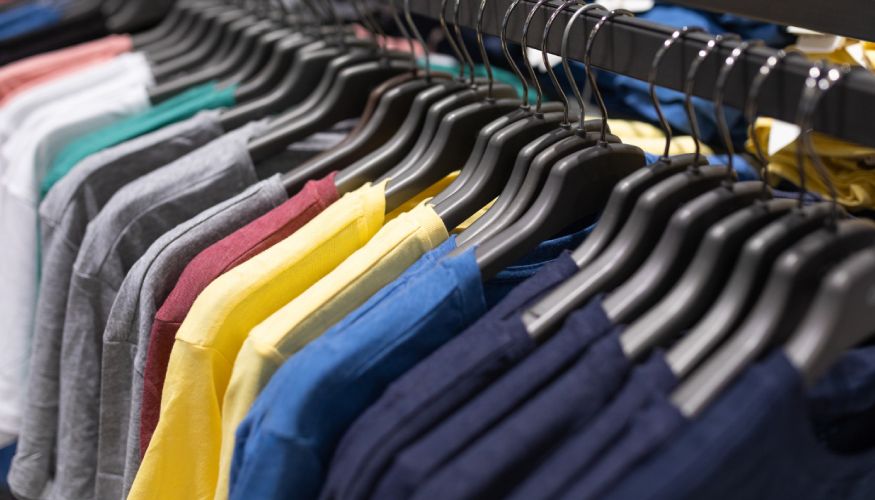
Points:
[178,108]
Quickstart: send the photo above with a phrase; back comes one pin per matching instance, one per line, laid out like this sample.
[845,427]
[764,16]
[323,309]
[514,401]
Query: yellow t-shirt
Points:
[182,458]
[390,252]
[652,140]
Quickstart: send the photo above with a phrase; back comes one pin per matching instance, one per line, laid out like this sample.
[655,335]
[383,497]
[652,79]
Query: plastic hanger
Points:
[204,27]
[755,259]
[576,188]
[840,317]
[388,104]
[165,28]
[411,141]
[486,172]
[176,32]
[631,246]
[685,230]
[453,141]
[792,283]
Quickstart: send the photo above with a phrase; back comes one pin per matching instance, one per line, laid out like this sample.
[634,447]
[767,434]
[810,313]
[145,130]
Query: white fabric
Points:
[25,158]
[16,111]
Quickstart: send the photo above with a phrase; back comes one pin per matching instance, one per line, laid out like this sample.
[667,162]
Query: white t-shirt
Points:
[24,159]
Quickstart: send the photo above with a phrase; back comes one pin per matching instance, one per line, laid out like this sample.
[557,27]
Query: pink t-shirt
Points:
[22,75]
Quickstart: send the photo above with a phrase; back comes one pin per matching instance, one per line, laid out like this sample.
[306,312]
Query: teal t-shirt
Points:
[178,108]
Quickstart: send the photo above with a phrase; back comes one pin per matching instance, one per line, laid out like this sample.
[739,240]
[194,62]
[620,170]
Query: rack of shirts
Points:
[256,252]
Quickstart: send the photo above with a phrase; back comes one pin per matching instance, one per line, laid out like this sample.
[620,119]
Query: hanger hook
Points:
[483,54]
[651,80]
[690,82]
[457,28]
[416,33]
[719,87]
[591,74]
[820,81]
[332,12]
[751,108]
[525,46]
[367,22]
[513,65]
[553,78]
[396,18]
[563,52]
[451,40]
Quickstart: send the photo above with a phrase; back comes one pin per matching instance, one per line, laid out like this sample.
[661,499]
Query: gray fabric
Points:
[129,223]
[64,215]
[130,322]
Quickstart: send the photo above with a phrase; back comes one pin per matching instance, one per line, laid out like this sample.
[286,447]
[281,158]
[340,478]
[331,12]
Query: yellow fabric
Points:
[843,55]
[471,220]
[849,166]
[182,461]
[651,139]
[428,194]
[389,253]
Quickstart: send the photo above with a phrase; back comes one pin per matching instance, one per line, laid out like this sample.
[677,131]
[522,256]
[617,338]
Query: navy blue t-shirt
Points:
[436,386]
[492,465]
[588,443]
[766,438]
[501,399]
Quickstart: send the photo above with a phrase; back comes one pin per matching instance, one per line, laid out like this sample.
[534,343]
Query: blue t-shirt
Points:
[596,455]
[26,18]
[437,385]
[766,438]
[412,466]
[284,445]
[492,465]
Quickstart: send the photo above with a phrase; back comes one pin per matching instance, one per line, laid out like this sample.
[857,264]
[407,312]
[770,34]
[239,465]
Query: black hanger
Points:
[791,285]
[535,160]
[576,188]
[165,28]
[840,317]
[205,25]
[629,248]
[185,15]
[626,193]
[486,172]
[757,257]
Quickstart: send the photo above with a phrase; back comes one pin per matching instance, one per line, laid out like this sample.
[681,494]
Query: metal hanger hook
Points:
[566,67]
[719,88]
[451,40]
[591,75]
[483,54]
[416,33]
[566,121]
[396,18]
[525,46]
[651,80]
[752,105]
[690,82]
[457,28]
[504,48]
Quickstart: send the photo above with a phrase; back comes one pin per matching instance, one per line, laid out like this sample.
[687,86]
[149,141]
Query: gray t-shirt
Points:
[64,215]
[130,323]
[130,222]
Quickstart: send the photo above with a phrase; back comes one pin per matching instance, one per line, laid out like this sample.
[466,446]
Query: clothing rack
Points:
[628,45]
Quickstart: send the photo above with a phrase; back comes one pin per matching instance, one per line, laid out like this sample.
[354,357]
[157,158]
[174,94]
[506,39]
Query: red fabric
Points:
[233,250]
[22,75]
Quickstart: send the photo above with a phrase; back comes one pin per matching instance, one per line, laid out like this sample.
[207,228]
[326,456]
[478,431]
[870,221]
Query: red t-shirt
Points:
[221,257]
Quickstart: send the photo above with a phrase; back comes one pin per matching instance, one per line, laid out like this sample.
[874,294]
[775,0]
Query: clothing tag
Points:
[630,5]
[813,42]
[858,52]
[537,60]
[781,135]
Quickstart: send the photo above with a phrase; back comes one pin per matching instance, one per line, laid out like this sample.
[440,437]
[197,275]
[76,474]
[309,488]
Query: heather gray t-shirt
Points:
[130,323]
[64,215]
[130,222]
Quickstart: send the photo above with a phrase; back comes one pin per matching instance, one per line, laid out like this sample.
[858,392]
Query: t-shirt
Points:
[498,401]
[180,107]
[129,223]
[768,437]
[588,444]
[491,465]
[233,250]
[64,216]
[436,386]
[182,460]
[127,328]
[22,75]
[26,156]
[400,243]
[27,18]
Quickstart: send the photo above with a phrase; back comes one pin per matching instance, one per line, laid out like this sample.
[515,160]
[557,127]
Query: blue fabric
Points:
[285,443]
[498,401]
[27,18]
[767,438]
[492,465]
[438,385]
[6,455]
[589,444]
